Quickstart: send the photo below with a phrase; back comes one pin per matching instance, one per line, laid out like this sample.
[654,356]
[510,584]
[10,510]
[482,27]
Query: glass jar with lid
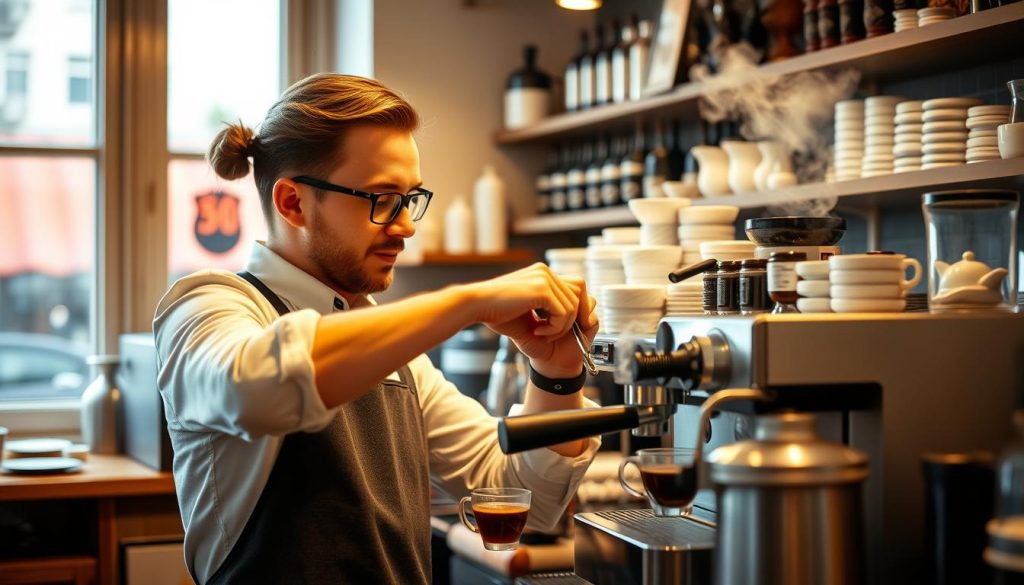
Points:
[972,249]
[728,287]
[782,279]
[754,286]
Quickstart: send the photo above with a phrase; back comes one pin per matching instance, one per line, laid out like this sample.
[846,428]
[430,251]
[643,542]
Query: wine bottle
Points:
[656,164]
[603,68]
[592,176]
[543,183]
[586,73]
[574,190]
[527,93]
[620,64]
[558,197]
[610,173]
[572,76]
[631,169]
[638,52]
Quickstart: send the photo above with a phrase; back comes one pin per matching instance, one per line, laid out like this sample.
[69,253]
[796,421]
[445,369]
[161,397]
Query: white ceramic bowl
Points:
[706,232]
[812,269]
[709,249]
[681,190]
[866,291]
[868,305]
[660,210]
[621,235]
[823,305]
[1011,140]
[634,296]
[641,255]
[813,289]
[708,214]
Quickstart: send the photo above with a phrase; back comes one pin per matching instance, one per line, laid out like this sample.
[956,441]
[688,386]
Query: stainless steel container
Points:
[789,507]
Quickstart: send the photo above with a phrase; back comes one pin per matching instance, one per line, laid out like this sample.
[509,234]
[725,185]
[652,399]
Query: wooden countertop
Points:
[101,476]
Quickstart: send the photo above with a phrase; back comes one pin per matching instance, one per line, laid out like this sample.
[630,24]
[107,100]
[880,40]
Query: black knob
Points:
[684,363]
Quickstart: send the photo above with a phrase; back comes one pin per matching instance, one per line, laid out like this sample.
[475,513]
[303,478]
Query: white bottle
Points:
[458,227]
[491,213]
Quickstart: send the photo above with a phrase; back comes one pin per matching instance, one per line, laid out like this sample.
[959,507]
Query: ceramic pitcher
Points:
[743,160]
[713,177]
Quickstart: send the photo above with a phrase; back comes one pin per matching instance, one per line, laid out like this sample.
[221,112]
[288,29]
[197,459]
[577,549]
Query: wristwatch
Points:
[559,386]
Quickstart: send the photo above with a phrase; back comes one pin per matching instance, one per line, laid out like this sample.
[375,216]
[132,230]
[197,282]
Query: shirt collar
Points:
[296,287]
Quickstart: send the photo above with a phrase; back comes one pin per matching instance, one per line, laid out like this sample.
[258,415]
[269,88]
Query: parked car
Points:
[36,366]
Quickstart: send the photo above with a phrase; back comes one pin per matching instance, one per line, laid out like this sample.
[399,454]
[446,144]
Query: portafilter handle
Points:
[531,431]
[712,403]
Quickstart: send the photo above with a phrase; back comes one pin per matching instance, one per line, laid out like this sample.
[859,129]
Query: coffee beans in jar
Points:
[782,280]
[728,287]
[754,287]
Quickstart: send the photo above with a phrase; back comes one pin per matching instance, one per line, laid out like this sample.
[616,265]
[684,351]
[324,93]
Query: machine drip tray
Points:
[643,529]
[552,579]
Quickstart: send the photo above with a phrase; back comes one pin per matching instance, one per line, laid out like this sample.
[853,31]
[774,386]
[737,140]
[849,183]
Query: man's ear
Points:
[288,202]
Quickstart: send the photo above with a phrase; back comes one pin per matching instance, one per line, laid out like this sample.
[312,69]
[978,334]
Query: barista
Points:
[307,423]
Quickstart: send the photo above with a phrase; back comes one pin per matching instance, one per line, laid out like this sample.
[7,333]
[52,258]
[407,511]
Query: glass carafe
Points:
[1017,93]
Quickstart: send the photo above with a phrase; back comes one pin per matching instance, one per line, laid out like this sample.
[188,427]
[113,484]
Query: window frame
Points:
[132,156]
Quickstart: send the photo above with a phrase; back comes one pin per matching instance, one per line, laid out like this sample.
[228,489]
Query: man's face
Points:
[351,253]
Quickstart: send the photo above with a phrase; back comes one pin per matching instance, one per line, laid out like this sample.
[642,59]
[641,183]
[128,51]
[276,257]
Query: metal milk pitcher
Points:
[790,507]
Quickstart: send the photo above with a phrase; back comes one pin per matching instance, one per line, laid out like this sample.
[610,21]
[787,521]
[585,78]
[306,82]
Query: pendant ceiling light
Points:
[579,4]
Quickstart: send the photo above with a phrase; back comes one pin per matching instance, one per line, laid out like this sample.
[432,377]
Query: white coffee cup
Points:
[895,264]
[867,291]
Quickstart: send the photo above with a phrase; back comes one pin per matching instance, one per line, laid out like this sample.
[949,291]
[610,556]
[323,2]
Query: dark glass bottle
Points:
[676,155]
[656,164]
[543,184]
[586,72]
[631,170]
[603,66]
[592,176]
[558,196]
[575,194]
[610,185]
[527,92]
[572,76]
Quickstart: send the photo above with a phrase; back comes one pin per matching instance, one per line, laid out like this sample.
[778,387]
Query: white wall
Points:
[452,61]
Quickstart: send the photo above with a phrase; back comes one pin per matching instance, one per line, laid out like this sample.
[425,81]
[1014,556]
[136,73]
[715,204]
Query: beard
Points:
[343,267]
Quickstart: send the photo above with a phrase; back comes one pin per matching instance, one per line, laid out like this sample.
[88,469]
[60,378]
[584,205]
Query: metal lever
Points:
[581,342]
[531,431]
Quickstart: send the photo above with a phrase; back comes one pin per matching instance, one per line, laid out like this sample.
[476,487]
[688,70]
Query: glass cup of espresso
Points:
[500,515]
[669,477]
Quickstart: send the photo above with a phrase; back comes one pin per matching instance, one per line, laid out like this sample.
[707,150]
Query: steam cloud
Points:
[792,109]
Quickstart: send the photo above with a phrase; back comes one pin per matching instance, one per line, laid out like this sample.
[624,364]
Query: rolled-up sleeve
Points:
[229,363]
[464,452]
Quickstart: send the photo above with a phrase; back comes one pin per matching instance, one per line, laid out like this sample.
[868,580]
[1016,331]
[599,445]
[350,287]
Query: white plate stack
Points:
[934,15]
[982,142]
[904,19]
[629,307]
[686,297]
[879,135]
[705,223]
[650,264]
[604,268]
[813,287]
[944,132]
[567,261]
[733,250]
[849,147]
[907,148]
[621,235]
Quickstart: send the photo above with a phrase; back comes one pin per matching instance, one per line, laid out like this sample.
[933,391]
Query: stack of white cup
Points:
[604,268]
[567,261]
[907,151]
[658,219]
[733,250]
[813,287]
[945,131]
[849,147]
[982,122]
[904,19]
[871,283]
[650,264]
[879,135]
[632,307]
[705,223]
[686,297]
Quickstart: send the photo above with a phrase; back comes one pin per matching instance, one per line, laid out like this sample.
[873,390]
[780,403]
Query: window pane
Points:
[47,242]
[211,222]
[220,72]
[46,55]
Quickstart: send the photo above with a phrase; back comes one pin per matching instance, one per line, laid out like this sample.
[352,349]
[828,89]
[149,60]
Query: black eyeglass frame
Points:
[373,197]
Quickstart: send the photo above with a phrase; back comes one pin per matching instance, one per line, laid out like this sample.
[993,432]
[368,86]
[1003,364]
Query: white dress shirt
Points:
[235,378]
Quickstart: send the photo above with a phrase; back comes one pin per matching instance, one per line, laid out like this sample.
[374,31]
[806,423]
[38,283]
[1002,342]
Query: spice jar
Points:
[782,280]
[754,287]
[728,287]
[710,297]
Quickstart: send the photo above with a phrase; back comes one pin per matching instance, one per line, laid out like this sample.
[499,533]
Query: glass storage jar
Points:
[972,249]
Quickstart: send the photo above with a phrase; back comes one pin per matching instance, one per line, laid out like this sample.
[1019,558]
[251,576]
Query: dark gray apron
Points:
[348,504]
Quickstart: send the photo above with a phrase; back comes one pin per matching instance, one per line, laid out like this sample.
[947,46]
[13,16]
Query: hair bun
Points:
[230,151]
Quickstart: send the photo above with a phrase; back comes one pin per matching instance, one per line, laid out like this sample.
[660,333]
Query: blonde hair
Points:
[303,131]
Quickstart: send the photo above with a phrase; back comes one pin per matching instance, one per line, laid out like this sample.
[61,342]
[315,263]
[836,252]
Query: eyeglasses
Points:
[384,207]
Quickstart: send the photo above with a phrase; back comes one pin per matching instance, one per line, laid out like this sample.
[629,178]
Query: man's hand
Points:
[507,305]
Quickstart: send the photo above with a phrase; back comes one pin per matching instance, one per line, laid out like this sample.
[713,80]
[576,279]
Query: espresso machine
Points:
[893,386]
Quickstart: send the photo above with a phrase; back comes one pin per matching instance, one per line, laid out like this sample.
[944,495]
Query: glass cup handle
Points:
[622,478]
[463,517]
[908,284]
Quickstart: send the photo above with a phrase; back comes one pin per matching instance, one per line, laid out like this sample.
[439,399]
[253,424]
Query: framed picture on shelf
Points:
[667,47]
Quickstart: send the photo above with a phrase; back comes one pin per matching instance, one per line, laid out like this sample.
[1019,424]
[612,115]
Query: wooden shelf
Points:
[991,35]
[889,190]
[101,476]
[514,256]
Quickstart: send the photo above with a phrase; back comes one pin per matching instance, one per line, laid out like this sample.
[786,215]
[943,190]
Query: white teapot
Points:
[968,281]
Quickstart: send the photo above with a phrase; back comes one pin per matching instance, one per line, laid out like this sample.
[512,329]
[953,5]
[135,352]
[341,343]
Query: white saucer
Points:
[944,147]
[943,126]
[944,137]
[907,118]
[868,305]
[941,165]
[989,110]
[37,447]
[982,142]
[944,114]
[814,289]
[41,465]
[909,138]
[986,122]
[950,102]
[909,105]
[982,132]
[822,305]
[902,129]
[940,157]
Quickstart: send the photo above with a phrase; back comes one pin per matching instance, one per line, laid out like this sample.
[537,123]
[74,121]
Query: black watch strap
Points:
[560,386]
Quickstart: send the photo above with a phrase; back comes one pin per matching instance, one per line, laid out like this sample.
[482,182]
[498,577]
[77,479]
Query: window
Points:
[79,80]
[49,155]
[226,78]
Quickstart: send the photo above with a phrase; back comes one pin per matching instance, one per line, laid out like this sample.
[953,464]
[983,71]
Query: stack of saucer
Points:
[686,297]
[849,147]
[650,264]
[944,133]
[604,267]
[732,250]
[567,261]
[705,223]
[982,142]
[632,307]
[621,235]
[908,136]
[934,15]
[813,287]
[879,135]
[904,19]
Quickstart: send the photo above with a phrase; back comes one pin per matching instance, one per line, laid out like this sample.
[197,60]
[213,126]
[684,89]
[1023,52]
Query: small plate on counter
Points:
[37,448]
[41,465]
